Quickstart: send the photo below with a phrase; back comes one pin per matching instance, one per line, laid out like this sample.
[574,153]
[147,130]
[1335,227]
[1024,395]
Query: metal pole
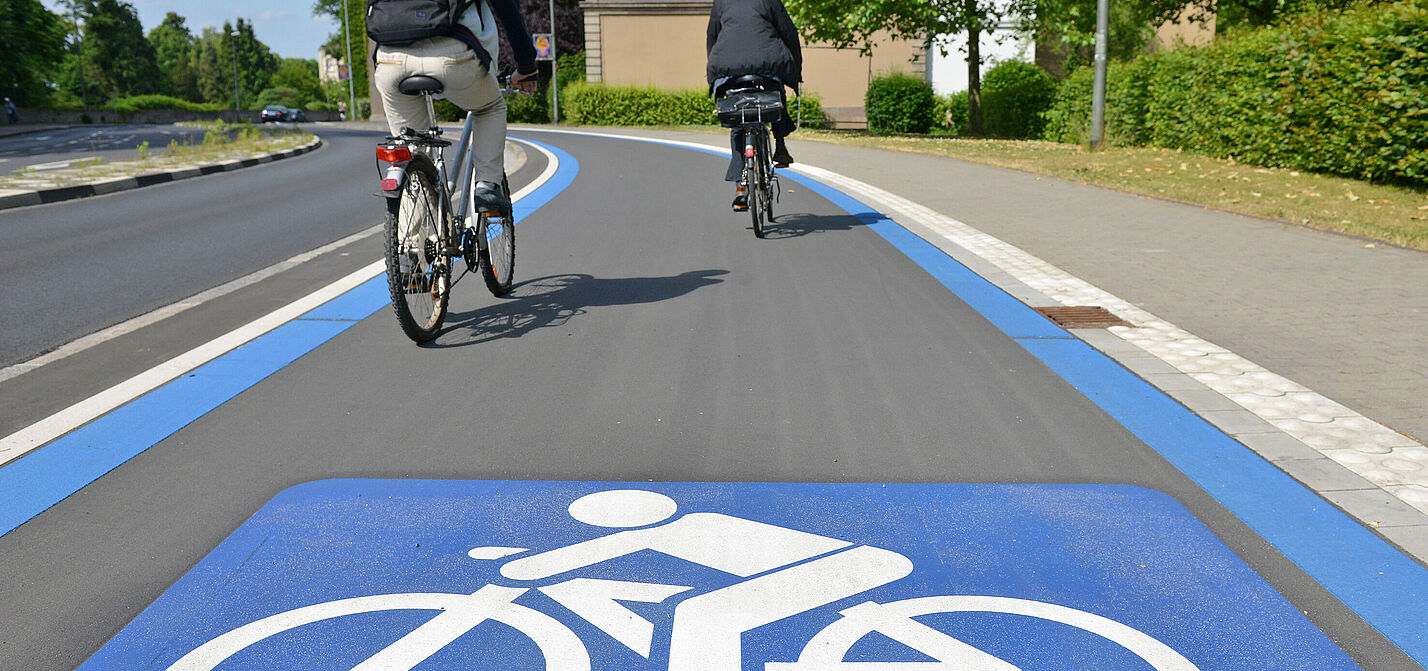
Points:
[351,72]
[233,46]
[1098,91]
[554,70]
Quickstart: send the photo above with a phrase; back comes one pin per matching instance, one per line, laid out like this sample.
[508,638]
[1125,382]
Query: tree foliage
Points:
[35,39]
[336,45]
[174,50]
[111,58]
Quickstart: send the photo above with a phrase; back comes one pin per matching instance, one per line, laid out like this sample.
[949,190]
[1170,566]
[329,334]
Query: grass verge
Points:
[222,142]
[1393,214]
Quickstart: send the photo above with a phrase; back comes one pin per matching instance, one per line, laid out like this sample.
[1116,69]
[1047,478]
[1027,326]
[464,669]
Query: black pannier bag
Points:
[743,107]
[401,22]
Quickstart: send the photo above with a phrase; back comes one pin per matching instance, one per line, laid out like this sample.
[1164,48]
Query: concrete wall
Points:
[661,43]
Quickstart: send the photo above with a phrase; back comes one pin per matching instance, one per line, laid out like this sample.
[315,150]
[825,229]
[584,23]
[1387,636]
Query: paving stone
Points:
[1235,422]
[1323,474]
[1377,507]
[1275,446]
[1413,540]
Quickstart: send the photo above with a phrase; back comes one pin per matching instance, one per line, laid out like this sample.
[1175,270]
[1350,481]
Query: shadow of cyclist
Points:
[799,224]
[555,299]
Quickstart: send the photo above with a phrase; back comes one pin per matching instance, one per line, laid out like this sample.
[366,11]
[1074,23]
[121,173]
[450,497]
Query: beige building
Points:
[661,43]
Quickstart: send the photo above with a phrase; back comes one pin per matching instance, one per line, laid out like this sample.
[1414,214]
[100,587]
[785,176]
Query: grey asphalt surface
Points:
[110,143]
[643,341]
[74,268]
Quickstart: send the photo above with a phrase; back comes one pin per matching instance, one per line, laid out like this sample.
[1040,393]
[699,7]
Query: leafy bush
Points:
[812,116]
[900,103]
[528,109]
[600,105]
[570,69]
[1014,97]
[954,112]
[286,96]
[1332,92]
[161,102]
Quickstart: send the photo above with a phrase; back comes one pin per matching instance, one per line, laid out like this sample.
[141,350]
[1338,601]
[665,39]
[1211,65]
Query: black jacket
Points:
[753,37]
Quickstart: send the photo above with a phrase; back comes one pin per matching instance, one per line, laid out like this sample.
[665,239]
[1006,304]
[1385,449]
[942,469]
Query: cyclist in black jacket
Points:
[753,37]
[465,65]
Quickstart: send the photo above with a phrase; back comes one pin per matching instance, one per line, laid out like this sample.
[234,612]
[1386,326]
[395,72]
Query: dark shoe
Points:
[741,198]
[488,198]
[781,157]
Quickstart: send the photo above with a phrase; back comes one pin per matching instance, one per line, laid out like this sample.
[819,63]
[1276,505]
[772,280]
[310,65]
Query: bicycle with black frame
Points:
[749,104]
[425,235]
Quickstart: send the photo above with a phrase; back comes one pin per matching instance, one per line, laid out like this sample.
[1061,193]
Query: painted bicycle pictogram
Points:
[785,573]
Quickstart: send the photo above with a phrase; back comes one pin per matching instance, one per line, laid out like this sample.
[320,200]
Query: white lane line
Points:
[19,443]
[64,421]
[77,346]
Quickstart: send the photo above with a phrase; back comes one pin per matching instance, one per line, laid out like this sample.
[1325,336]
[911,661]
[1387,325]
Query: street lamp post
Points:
[1098,83]
[233,46]
[351,87]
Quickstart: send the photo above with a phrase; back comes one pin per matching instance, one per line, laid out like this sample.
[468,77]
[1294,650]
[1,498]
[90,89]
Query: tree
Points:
[116,59]
[174,50]
[299,75]
[35,38]
[848,24]
[221,52]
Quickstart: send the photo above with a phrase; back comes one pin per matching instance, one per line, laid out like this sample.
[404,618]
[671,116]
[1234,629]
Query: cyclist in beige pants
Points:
[464,64]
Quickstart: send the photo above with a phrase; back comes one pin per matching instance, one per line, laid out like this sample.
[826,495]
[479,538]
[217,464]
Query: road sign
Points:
[545,46]
[573,576]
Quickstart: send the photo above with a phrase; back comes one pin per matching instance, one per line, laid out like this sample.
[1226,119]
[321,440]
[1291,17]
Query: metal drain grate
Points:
[1082,317]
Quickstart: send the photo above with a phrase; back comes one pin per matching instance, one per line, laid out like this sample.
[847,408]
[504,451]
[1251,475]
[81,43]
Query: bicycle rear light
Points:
[748,151]
[388,154]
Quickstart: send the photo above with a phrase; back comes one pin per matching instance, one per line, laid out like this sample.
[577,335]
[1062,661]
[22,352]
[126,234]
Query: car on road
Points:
[295,114]
[273,113]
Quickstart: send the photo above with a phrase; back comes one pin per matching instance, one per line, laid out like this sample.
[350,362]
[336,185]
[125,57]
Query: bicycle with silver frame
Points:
[432,220]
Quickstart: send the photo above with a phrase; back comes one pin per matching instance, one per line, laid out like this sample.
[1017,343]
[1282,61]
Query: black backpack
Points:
[401,22]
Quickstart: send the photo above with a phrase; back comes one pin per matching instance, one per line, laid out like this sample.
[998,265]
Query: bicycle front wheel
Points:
[498,251]
[417,274]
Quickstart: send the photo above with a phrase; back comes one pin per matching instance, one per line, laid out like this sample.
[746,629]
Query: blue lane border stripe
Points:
[1379,583]
[45,476]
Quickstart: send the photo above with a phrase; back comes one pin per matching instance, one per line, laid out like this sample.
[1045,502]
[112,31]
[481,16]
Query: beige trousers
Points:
[467,84]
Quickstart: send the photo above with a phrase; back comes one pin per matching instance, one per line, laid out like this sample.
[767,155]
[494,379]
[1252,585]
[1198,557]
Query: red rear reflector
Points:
[748,152]
[394,154]
[390,185]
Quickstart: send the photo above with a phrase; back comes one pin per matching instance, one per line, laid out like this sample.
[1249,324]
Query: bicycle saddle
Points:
[416,85]
[749,82]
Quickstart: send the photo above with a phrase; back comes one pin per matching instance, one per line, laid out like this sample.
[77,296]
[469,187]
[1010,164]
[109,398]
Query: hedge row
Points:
[1331,92]
[599,105]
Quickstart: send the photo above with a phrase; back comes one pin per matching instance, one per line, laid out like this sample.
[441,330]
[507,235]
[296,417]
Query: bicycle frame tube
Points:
[464,175]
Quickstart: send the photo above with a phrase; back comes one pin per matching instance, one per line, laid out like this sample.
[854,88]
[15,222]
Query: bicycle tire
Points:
[753,194]
[766,171]
[497,239]
[418,276]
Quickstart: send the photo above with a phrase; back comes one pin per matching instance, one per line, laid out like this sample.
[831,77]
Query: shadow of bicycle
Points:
[799,224]
[554,300]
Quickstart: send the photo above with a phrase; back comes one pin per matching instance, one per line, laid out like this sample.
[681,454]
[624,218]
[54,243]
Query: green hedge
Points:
[599,105]
[900,103]
[1015,95]
[161,102]
[1332,92]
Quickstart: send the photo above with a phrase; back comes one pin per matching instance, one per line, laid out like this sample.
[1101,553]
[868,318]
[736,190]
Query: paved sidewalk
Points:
[1310,348]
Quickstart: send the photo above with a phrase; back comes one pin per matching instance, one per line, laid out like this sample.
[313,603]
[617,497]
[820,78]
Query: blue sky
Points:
[286,26]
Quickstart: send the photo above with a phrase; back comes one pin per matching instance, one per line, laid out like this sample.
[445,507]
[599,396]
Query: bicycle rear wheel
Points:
[754,194]
[418,276]
[497,236]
